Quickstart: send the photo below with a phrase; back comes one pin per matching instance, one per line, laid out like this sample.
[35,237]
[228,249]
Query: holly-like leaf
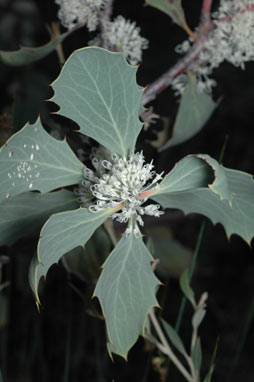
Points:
[194,111]
[126,291]
[172,8]
[33,160]
[61,233]
[236,217]
[220,183]
[27,55]
[98,90]
[190,172]
[24,214]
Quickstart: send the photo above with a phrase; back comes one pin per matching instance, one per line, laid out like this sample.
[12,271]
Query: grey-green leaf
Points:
[172,8]
[25,214]
[85,262]
[186,288]
[126,291]
[194,111]
[194,171]
[27,55]
[220,184]
[98,90]
[236,217]
[61,233]
[198,317]
[189,173]
[33,160]
[197,355]
[174,337]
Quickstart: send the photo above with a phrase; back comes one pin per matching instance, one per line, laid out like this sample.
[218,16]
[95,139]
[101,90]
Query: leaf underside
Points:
[25,213]
[126,291]
[33,160]
[61,233]
[98,90]
[194,111]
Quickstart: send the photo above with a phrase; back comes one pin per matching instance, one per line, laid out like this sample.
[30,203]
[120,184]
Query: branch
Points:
[164,347]
[206,7]
[182,65]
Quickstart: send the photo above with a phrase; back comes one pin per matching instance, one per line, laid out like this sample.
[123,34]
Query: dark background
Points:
[65,342]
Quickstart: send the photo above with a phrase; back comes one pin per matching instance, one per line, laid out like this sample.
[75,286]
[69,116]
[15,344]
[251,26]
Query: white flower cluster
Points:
[73,12]
[124,36]
[232,40]
[120,180]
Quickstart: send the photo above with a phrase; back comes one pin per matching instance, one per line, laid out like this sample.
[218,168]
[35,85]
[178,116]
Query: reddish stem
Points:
[229,18]
[182,65]
[206,8]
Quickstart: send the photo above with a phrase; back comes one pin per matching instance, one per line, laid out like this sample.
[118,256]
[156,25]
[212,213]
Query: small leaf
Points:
[237,218]
[98,90]
[33,160]
[172,8]
[198,317]
[174,337]
[27,55]
[126,291]
[186,289]
[25,214]
[194,111]
[61,233]
[197,355]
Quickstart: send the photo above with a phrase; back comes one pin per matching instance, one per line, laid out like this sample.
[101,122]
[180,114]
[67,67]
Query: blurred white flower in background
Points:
[123,36]
[73,12]
[232,40]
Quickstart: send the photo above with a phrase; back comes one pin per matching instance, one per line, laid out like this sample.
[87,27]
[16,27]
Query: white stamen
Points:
[120,180]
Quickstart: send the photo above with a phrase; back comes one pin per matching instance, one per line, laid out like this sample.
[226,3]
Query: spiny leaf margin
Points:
[126,291]
[236,215]
[33,160]
[97,89]
[61,233]
[25,213]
